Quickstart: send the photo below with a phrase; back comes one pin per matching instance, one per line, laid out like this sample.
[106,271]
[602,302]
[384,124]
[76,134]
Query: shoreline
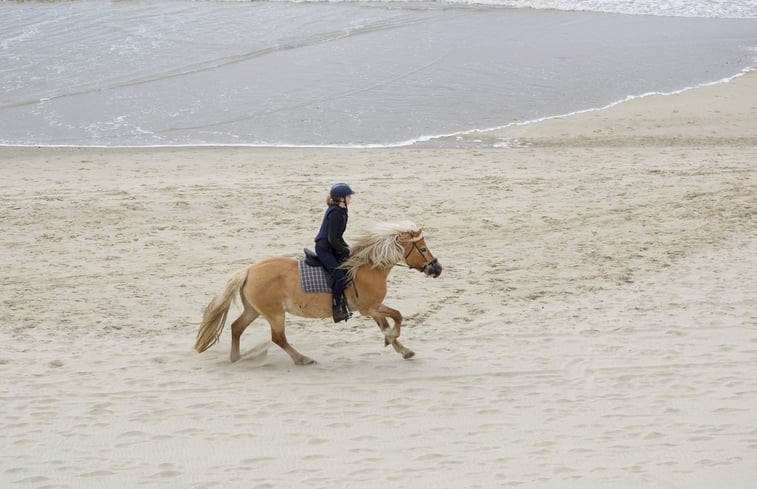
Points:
[680,123]
[468,136]
[749,71]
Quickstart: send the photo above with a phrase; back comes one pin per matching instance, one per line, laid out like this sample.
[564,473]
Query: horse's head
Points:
[417,255]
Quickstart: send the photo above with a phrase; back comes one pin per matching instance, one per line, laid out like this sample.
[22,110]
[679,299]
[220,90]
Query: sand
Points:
[595,324]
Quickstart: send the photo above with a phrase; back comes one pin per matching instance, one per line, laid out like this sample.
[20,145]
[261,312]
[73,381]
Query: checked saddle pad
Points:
[313,279]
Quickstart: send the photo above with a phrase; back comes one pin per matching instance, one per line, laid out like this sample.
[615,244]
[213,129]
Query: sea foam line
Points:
[735,9]
[400,144]
[425,139]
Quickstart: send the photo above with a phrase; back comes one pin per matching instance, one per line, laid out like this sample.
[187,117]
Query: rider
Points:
[331,248]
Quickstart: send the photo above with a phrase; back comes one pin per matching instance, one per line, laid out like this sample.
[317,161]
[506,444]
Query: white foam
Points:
[399,144]
[743,9]
[424,139]
[679,8]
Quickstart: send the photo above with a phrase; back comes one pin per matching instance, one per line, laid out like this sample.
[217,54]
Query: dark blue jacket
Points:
[332,230]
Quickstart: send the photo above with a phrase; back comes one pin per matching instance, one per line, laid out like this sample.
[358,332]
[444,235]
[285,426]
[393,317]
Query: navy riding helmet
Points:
[340,190]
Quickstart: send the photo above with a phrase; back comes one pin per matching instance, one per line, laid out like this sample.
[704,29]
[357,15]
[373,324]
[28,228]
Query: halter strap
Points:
[427,263]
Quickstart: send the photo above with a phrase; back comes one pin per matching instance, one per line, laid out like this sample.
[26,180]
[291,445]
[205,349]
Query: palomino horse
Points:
[271,288]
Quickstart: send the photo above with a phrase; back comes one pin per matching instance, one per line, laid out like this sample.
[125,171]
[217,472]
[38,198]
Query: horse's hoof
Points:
[408,355]
[306,361]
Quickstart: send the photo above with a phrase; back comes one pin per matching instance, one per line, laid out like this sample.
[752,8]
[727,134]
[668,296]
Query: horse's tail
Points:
[215,314]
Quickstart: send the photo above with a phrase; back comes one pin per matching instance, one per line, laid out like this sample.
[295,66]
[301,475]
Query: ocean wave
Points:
[725,9]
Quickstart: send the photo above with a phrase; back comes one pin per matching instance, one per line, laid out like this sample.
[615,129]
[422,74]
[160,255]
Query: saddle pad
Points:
[313,280]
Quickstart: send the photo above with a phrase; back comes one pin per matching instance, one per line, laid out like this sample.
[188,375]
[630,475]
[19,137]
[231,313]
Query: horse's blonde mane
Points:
[378,246]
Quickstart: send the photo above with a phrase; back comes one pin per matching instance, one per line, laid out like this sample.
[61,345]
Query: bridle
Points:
[427,262]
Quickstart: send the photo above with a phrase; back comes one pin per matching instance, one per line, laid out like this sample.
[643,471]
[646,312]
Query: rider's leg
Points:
[331,264]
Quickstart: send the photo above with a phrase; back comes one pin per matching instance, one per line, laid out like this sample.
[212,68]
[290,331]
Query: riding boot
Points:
[340,311]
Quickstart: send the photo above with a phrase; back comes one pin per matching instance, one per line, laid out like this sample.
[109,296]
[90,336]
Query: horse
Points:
[271,288]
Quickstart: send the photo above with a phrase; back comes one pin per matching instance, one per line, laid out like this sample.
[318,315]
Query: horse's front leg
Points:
[392,333]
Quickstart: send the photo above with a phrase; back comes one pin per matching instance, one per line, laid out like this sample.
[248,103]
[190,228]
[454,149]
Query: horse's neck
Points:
[376,273]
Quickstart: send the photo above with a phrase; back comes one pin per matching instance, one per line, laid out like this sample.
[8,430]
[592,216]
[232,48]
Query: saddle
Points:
[311,258]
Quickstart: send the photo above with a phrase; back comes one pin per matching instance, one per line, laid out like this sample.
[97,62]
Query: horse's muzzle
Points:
[433,268]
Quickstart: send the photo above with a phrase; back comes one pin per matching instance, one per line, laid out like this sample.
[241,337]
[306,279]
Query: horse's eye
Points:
[424,249]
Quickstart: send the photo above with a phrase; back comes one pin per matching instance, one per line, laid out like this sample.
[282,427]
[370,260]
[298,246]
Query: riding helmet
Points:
[340,190]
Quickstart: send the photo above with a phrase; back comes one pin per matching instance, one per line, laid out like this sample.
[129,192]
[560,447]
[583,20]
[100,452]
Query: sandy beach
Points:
[595,325]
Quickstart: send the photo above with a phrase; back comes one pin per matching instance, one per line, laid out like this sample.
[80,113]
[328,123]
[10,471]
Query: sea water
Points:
[345,74]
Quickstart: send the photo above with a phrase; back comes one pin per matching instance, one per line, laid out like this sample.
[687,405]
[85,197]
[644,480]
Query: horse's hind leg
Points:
[238,327]
[279,337]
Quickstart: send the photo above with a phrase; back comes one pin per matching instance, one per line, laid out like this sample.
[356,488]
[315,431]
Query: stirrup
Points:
[340,312]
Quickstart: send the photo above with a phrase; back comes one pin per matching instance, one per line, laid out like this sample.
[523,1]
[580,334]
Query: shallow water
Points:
[332,74]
